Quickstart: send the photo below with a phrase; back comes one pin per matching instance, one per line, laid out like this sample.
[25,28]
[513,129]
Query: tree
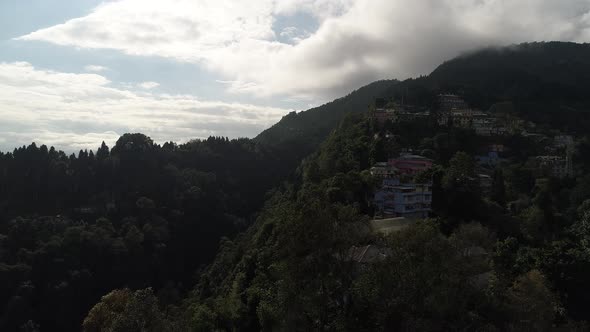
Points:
[103,152]
[498,193]
[531,302]
[126,311]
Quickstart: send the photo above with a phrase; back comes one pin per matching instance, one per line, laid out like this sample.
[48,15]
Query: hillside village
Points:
[401,196]
[458,201]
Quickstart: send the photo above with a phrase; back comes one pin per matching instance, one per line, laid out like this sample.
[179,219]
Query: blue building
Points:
[409,200]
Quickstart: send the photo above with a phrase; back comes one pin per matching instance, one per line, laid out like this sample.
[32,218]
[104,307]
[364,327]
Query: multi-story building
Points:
[397,113]
[490,160]
[410,164]
[484,124]
[556,166]
[409,200]
[449,102]
[384,170]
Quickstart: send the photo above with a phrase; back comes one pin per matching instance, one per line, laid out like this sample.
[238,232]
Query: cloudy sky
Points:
[75,73]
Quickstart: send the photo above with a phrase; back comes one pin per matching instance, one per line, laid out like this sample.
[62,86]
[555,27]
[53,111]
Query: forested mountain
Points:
[553,72]
[137,215]
[260,234]
[545,82]
[302,132]
[296,266]
[541,78]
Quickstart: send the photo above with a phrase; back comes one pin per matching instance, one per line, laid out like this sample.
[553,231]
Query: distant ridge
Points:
[304,131]
[544,77]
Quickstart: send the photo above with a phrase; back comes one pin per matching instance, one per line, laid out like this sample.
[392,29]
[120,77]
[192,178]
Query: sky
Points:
[76,73]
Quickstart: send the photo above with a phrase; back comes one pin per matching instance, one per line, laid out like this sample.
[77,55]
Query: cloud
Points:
[148,85]
[95,68]
[74,111]
[357,41]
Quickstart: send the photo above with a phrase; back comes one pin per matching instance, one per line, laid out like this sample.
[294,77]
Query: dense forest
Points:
[261,234]
[291,268]
[137,215]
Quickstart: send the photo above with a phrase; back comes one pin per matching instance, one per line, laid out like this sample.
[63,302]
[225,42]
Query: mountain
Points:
[301,133]
[550,75]
[543,72]
[129,231]
[289,268]
[544,82]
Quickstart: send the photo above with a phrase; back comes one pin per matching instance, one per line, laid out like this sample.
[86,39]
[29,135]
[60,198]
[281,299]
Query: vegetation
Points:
[263,234]
[74,228]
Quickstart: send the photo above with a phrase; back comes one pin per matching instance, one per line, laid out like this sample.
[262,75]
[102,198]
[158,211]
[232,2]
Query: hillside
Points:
[553,72]
[506,258]
[222,234]
[287,269]
[544,82]
[539,77]
[302,132]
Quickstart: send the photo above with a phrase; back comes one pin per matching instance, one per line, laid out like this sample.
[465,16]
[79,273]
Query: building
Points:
[410,164]
[484,124]
[397,113]
[496,148]
[384,170]
[405,116]
[382,115]
[556,166]
[449,102]
[409,200]
[491,160]
[487,125]
[563,141]
[485,182]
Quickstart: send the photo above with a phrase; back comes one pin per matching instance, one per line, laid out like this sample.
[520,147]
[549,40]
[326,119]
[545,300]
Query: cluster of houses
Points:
[452,111]
[399,195]
[559,162]
[394,112]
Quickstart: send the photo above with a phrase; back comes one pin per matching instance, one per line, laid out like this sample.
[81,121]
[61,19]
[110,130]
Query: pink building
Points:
[411,164]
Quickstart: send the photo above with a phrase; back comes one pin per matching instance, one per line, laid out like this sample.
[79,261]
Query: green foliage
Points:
[422,285]
[144,215]
[139,215]
[531,302]
[299,134]
[126,311]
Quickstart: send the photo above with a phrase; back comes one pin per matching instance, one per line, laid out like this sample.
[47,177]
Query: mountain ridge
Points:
[549,71]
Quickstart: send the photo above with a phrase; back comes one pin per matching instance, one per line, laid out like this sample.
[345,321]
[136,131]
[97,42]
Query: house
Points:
[449,102]
[556,166]
[484,124]
[382,115]
[485,182]
[563,141]
[496,148]
[411,164]
[491,160]
[397,113]
[406,116]
[409,200]
[384,170]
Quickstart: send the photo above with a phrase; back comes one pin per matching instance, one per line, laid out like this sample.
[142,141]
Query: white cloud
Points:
[95,68]
[357,41]
[148,85]
[74,111]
